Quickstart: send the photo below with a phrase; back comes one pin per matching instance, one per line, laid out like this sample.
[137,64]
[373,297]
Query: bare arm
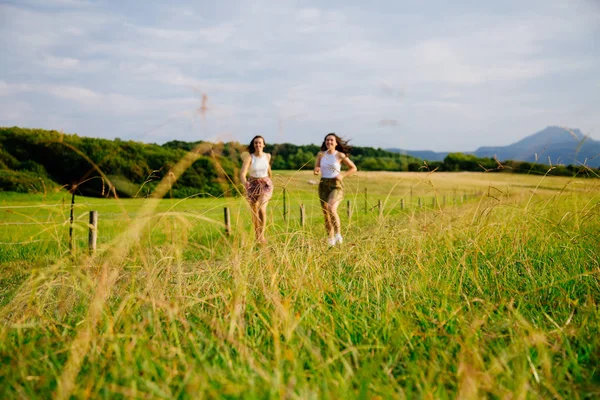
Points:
[245,168]
[351,166]
[317,169]
[269,165]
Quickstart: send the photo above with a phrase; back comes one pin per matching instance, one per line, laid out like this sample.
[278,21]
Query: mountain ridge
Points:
[552,145]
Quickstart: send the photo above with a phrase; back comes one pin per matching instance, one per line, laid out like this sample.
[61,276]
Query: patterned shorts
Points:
[331,189]
[259,187]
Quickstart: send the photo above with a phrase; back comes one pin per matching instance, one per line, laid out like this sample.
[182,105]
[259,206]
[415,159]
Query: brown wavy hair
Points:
[342,145]
[251,148]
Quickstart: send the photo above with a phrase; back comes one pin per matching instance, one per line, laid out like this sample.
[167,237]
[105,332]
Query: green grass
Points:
[495,295]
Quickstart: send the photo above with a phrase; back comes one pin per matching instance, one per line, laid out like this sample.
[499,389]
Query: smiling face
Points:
[330,142]
[259,145]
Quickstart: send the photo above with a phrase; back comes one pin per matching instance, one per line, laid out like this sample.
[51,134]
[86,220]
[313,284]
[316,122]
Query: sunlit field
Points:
[447,285]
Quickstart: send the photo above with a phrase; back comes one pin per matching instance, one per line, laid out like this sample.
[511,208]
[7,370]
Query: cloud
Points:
[447,72]
[388,122]
[8,89]
[13,112]
[152,71]
[33,30]
[184,37]
[61,63]
[391,91]
[97,102]
[56,3]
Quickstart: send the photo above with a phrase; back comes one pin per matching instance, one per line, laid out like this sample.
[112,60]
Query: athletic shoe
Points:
[331,241]
[339,239]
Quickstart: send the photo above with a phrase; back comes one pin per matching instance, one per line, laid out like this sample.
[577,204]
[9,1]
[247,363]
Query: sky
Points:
[417,75]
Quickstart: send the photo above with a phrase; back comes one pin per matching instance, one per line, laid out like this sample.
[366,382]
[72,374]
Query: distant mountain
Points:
[560,145]
[422,154]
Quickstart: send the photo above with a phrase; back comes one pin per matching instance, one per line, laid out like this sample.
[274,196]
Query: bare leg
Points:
[254,207]
[333,205]
[262,220]
[328,217]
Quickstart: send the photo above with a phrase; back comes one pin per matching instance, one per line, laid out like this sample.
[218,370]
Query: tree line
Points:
[455,162]
[38,160]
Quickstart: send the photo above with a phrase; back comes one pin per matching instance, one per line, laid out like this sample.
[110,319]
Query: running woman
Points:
[259,187]
[329,162]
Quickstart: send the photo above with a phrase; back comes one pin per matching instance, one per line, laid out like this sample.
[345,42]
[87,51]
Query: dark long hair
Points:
[342,145]
[251,148]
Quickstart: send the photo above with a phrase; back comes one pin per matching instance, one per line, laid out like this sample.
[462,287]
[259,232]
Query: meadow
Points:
[459,285]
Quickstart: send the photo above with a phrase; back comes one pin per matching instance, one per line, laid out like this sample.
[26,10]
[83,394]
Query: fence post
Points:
[379,208]
[302,215]
[284,204]
[93,235]
[419,202]
[366,209]
[227,221]
[71,247]
[402,203]
[349,210]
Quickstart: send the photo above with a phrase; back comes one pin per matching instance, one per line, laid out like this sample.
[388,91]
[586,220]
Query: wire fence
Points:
[360,202]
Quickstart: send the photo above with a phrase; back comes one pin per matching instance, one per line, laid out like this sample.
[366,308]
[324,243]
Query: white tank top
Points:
[330,166]
[259,168]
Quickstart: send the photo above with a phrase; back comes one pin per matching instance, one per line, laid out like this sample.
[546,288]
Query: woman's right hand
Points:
[317,170]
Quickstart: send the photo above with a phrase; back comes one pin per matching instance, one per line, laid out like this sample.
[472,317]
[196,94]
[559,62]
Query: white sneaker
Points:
[331,241]
[339,239]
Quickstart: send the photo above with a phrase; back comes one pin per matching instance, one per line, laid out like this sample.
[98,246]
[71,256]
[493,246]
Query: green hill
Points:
[32,158]
[37,159]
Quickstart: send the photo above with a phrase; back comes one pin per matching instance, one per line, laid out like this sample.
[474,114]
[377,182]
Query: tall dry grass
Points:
[495,297]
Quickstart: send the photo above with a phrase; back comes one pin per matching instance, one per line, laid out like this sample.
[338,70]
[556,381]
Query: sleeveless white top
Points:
[330,166]
[259,168]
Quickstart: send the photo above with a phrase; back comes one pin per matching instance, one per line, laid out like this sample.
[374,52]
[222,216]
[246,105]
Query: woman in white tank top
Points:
[258,185]
[331,190]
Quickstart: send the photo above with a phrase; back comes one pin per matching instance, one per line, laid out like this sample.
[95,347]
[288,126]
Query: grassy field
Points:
[463,285]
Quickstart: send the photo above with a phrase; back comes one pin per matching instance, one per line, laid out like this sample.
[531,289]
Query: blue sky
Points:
[436,75]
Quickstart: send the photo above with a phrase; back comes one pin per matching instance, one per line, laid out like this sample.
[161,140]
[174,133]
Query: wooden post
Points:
[402,204]
[379,208]
[366,209]
[93,235]
[433,201]
[419,202]
[284,204]
[71,247]
[349,209]
[227,221]
[302,215]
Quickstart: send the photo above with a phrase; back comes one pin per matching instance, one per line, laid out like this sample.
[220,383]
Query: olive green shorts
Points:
[331,190]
